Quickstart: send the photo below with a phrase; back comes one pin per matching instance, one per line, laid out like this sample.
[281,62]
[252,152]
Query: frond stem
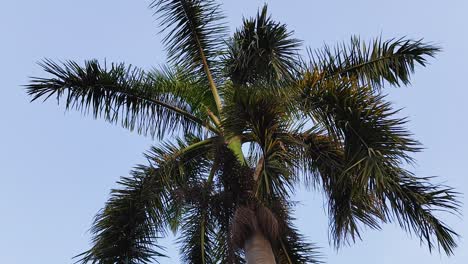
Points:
[214,89]
[213,117]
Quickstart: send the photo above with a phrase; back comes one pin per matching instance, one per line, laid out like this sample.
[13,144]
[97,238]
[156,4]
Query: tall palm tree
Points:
[240,123]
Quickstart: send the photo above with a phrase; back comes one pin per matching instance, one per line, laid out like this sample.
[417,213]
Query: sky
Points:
[57,167]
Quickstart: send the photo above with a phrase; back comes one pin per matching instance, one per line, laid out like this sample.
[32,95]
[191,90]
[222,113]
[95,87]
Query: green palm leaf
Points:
[262,117]
[360,167]
[152,103]
[127,228]
[375,63]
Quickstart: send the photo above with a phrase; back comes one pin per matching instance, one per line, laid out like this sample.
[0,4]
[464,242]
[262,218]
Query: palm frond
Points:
[194,31]
[362,173]
[198,233]
[152,103]
[198,224]
[324,164]
[371,140]
[125,231]
[414,203]
[292,247]
[392,61]
[195,36]
[262,50]
[366,125]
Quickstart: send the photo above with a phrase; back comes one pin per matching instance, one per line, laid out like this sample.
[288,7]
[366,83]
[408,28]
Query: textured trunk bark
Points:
[258,250]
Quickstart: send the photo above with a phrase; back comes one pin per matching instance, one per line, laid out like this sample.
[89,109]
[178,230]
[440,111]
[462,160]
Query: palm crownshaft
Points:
[324,122]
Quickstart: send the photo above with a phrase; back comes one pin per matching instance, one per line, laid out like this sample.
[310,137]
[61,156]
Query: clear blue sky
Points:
[57,168]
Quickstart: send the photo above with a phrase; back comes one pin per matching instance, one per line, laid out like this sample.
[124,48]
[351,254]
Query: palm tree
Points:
[240,123]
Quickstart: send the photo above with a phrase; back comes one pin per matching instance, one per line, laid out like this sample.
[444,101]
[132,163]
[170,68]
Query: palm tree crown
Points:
[320,120]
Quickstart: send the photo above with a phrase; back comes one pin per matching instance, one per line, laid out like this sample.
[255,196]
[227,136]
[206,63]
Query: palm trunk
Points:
[258,250]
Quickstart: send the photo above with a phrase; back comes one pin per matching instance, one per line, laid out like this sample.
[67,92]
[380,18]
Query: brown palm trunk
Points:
[258,250]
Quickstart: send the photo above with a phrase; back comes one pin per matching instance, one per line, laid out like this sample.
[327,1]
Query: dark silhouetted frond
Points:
[262,50]
[291,247]
[125,231]
[361,168]
[198,233]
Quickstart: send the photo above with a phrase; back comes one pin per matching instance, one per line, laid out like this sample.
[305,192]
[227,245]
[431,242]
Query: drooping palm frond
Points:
[262,50]
[292,247]
[391,61]
[127,228]
[414,203]
[365,174]
[324,162]
[125,231]
[152,103]
[198,232]
[366,125]
[373,142]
